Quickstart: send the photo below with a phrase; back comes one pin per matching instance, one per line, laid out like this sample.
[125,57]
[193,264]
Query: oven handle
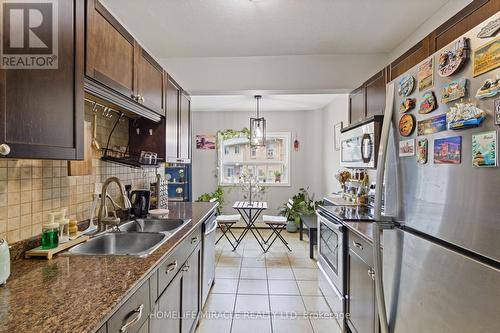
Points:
[332,224]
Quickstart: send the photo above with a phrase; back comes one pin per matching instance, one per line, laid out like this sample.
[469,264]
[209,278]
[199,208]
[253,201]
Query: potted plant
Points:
[303,204]
[277,176]
[218,195]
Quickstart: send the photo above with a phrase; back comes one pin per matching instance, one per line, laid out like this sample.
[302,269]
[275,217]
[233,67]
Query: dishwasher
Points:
[209,234]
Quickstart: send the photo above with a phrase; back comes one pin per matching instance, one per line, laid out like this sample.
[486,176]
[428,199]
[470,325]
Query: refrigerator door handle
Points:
[377,252]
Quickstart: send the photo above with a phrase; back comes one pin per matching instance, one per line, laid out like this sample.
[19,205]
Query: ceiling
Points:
[293,102]
[235,28]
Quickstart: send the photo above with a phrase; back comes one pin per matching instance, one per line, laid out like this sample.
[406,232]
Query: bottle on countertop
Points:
[50,234]
[4,261]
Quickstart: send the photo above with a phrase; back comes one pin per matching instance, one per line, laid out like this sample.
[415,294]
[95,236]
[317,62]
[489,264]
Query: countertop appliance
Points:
[332,247]
[4,261]
[441,258]
[359,143]
[140,200]
[209,230]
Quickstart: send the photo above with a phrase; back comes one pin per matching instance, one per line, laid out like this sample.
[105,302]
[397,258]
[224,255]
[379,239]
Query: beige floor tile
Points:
[257,304]
[252,287]
[253,273]
[225,286]
[251,325]
[299,254]
[278,262]
[303,263]
[254,262]
[309,288]
[283,287]
[253,253]
[291,325]
[280,274]
[223,303]
[325,325]
[287,305]
[229,262]
[305,274]
[214,325]
[227,272]
[234,254]
[316,304]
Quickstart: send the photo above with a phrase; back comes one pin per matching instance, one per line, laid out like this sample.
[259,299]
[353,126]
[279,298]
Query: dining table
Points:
[250,212]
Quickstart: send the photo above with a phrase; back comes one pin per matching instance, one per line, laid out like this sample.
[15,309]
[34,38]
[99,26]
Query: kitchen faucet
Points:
[103,218]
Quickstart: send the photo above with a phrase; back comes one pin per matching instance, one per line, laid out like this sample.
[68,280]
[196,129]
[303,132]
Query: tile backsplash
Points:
[30,189]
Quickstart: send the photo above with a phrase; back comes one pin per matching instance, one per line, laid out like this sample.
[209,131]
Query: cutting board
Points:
[84,167]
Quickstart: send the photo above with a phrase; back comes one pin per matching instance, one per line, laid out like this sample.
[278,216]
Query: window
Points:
[270,163]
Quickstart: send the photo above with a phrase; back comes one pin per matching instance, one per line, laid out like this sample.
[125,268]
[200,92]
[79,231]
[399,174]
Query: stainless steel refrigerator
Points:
[439,269]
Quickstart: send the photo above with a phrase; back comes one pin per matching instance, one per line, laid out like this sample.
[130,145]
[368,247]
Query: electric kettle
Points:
[4,261]
[140,200]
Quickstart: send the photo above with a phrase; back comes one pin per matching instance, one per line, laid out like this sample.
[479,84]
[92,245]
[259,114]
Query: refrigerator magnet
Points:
[490,29]
[486,57]
[428,103]
[407,148]
[406,85]
[432,125]
[490,88]
[448,150]
[407,104]
[422,145]
[406,125]
[454,90]
[425,74]
[484,149]
[451,60]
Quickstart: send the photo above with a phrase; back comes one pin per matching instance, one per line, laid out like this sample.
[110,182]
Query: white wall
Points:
[335,112]
[306,164]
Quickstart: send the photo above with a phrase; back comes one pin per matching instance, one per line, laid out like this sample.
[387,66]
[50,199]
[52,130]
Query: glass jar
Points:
[64,231]
[50,236]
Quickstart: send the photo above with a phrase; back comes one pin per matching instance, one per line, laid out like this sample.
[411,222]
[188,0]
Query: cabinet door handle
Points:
[4,149]
[358,245]
[171,267]
[185,268]
[371,273]
[194,239]
[135,316]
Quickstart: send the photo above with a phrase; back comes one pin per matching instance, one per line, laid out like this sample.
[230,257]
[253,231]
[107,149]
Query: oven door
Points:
[331,250]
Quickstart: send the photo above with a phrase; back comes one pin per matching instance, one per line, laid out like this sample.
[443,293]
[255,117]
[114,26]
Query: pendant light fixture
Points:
[258,127]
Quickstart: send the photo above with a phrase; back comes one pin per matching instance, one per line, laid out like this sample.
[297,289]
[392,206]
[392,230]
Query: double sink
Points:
[139,237]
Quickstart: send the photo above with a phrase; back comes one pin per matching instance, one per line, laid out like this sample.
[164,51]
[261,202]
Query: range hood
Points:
[97,92]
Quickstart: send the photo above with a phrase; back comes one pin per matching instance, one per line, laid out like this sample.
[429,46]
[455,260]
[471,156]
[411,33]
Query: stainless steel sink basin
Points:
[121,243]
[152,225]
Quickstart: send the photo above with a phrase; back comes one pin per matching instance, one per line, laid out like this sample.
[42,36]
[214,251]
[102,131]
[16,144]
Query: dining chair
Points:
[225,223]
[278,223]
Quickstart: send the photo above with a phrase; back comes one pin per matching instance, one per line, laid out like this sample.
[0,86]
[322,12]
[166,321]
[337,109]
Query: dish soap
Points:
[50,234]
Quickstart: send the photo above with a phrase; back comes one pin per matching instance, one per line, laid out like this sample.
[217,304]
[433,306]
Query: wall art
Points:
[464,115]
[407,104]
[432,125]
[425,74]
[490,88]
[407,148]
[406,85]
[422,145]
[406,124]
[205,141]
[484,149]
[336,135]
[450,61]
[497,111]
[490,29]
[428,103]
[486,57]
[454,90]
[448,150]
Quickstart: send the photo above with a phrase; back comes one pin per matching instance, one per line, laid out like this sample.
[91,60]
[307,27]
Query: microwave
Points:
[360,142]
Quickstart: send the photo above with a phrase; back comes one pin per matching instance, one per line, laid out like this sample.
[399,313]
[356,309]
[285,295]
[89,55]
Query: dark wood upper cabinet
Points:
[109,50]
[41,110]
[469,17]
[375,94]
[149,82]
[411,58]
[357,105]
[184,127]
[172,93]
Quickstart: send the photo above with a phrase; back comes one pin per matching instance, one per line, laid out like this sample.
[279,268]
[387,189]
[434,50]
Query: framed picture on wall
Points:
[336,135]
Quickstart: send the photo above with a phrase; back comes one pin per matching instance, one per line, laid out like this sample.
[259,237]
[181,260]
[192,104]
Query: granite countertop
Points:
[79,293]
